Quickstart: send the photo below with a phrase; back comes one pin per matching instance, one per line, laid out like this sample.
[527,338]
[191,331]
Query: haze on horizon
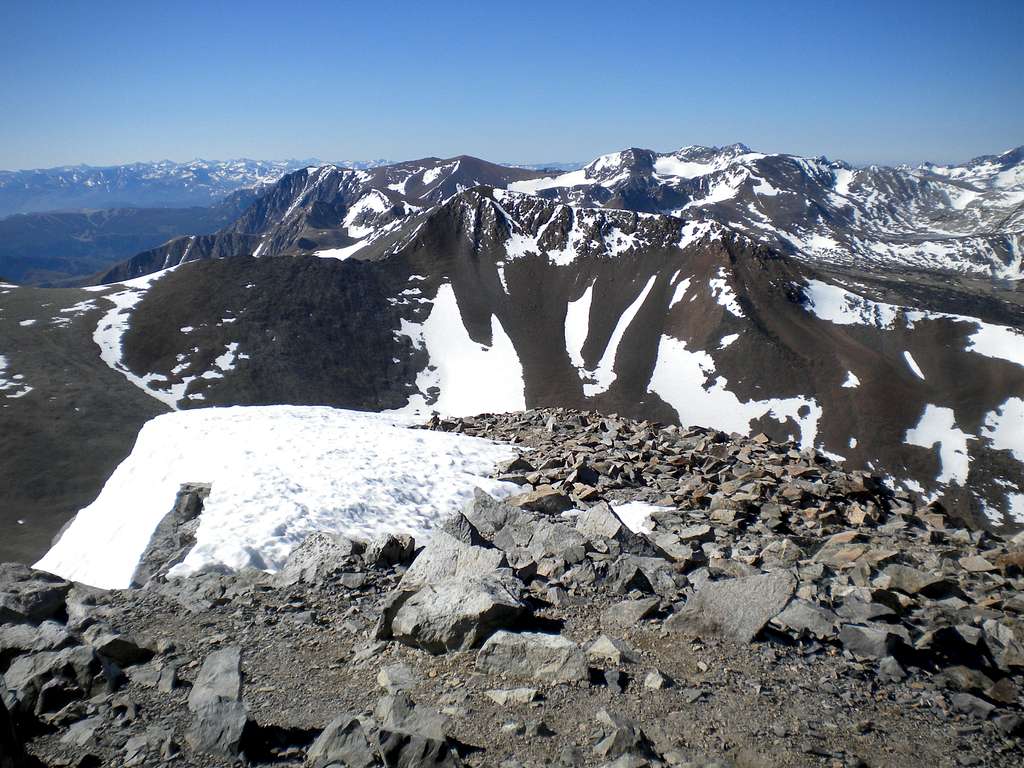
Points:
[871,82]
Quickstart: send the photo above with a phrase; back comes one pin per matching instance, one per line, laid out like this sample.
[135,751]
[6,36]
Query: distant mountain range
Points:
[873,314]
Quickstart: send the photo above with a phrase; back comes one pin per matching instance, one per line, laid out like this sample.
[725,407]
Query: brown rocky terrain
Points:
[776,610]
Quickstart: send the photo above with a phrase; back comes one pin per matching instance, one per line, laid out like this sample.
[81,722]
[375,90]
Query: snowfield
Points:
[279,473]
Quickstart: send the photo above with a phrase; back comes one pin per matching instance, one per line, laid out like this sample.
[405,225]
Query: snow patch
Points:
[938,427]
[471,378]
[604,374]
[577,325]
[279,473]
[679,379]
[912,364]
[851,381]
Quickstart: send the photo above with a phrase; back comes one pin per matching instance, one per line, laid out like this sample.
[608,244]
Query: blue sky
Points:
[526,81]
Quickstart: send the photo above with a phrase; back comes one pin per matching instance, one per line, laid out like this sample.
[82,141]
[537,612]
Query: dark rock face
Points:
[27,595]
[11,753]
[174,536]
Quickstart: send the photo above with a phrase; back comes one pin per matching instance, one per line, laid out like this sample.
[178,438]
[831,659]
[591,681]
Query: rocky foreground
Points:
[779,611]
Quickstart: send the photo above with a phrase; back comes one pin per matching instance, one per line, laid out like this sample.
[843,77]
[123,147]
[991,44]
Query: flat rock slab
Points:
[735,609]
[534,655]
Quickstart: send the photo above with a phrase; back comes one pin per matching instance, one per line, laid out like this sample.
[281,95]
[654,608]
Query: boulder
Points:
[30,596]
[46,681]
[317,559]
[804,617]
[217,728]
[456,613]
[544,498]
[875,641]
[389,549]
[174,536]
[344,741]
[735,609]
[628,613]
[446,557]
[119,648]
[219,679]
[533,655]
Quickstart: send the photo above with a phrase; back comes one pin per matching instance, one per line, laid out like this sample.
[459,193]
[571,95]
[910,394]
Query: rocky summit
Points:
[653,596]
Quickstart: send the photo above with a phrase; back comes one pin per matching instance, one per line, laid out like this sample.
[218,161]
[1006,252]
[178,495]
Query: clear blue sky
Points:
[112,82]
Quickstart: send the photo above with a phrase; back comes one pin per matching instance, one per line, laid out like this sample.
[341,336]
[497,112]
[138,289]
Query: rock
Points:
[804,617]
[456,613]
[174,536]
[977,564]
[397,677]
[30,596]
[506,697]
[628,613]
[544,499]
[343,742]
[890,671]
[600,522]
[318,559]
[11,753]
[39,682]
[121,649]
[219,679]
[622,736]
[656,680]
[908,580]
[734,609]
[610,650]
[16,639]
[972,706]
[446,557]
[869,641]
[398,712]
[217,728]
[406,750]
[533,655]
[389,549]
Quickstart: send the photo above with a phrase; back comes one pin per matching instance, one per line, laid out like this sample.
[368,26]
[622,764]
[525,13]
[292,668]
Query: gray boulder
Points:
[344,741]
[455,613]
[117,647]
[317,559]
[30,596]
[217,728]
[219,679]
[735,609]
[174,536]
[389,549]
[446,557]
[534,655]
[804,617]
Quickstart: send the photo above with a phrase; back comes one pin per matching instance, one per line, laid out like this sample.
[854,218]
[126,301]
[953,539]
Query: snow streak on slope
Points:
[679,379]
[113,325]
[279,473]
[604,374]
[471,378]
[577,326]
